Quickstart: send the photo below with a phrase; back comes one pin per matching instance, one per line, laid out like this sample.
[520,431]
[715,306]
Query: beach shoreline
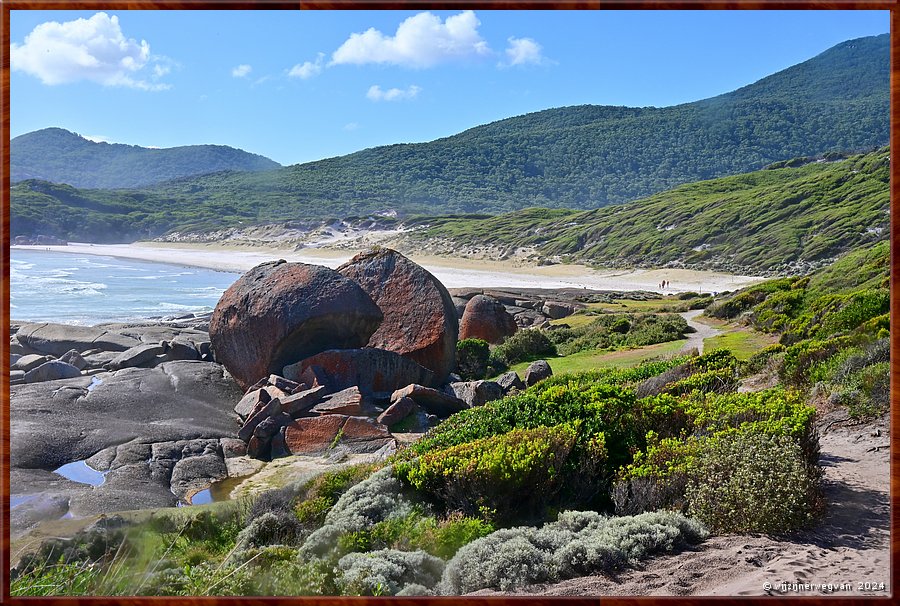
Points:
[453,272]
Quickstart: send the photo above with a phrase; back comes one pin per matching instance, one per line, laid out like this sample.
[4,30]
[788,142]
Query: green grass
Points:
[741,341]
[589,360]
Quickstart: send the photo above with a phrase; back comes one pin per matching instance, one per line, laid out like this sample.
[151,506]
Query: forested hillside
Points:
[59,156]
[774,220]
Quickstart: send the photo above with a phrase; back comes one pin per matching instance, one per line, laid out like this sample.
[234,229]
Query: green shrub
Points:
[515,473]
[523,346]
[472,359]
[619,330]
[754,482]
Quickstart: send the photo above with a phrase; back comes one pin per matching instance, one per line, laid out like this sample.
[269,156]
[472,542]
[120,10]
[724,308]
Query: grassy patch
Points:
[742,341]
[589,360]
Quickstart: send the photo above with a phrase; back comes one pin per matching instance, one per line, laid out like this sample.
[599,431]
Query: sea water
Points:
[51,286]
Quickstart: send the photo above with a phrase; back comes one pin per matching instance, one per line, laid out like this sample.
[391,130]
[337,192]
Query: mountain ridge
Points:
[61,156]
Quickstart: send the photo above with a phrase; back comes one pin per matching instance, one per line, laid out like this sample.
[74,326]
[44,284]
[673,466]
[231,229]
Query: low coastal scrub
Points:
[619,330]
[472,357]
[576,475]
[523,346]
[833,329]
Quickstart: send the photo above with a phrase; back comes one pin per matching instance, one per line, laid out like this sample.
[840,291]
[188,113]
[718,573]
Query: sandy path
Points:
[703,331]
[452,272]
[851,545]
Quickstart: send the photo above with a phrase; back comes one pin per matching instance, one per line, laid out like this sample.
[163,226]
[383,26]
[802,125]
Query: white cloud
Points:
[393,94]
[241,70]
[308,69]
[92,49]
[422,40]
[524,51]
[160,70]
[351,126]
[97,138]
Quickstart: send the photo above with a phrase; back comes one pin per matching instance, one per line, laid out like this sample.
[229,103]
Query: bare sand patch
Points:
[453,272]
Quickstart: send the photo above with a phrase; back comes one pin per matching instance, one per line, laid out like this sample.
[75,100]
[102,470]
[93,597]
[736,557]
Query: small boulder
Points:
[16,377]
[316,435]
[537,371]
[475,393]
[436,402]
[179,350]
[509,381]
[397,411]
[74,358]
[251,401]
[51,371]
[370,369]
[420,321]
[349,401]
[30,362]
[233,447]
[486,318]
[278,313]
[557,310]
[136,356]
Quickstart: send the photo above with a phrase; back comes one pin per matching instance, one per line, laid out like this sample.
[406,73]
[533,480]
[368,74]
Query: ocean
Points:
[50,286]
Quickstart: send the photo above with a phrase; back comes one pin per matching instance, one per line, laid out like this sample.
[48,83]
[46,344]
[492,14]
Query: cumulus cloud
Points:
[308,69]
[92,49]
[392,94]
[422,40]
[241,71]
[524,51]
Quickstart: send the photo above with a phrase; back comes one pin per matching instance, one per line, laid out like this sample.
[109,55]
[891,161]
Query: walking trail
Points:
[703,331]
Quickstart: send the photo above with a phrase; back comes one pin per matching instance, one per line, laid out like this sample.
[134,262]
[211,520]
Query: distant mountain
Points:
[791,218]
[589,156]
[574,157]
[60,156]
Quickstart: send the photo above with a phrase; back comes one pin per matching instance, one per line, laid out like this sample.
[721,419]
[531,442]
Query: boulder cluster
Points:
[493,315]
[345,357]
[48,352]
[38,240]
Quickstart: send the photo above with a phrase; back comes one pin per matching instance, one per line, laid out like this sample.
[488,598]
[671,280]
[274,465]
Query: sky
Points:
[298,86]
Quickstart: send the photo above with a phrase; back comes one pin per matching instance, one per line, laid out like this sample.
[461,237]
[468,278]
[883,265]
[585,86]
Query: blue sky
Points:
[302,85]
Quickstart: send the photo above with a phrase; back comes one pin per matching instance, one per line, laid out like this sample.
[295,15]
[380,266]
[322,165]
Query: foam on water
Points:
[53,286]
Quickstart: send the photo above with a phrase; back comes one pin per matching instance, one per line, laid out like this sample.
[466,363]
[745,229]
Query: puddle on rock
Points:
[204,497]
[81,472]
[94,383]
[20,499]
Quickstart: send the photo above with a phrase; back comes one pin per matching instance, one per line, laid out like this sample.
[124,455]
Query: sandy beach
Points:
[453,272]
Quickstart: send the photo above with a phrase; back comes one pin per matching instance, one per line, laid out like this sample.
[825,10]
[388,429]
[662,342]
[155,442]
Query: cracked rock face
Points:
[279,313]
[57,422]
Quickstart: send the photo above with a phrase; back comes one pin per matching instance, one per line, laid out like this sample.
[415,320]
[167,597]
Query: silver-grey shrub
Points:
[388,572]
[271,528]
[377,498]
[577,544]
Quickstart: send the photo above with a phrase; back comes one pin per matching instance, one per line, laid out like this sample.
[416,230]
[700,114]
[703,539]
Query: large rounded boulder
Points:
[420,321]
[278,313]
[486,318]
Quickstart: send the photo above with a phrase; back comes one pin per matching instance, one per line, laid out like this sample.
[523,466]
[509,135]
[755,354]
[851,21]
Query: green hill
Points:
[577,157]
[768,221]
[59,156]
[590,156]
